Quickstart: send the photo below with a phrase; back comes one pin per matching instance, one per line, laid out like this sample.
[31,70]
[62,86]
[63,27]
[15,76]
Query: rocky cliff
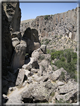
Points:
[9,18]
[57,24]
[6,43]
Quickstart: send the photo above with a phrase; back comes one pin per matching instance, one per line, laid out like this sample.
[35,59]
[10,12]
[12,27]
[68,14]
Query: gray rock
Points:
[38,79]
[32,64]
[43,48]
[37,93]
[27,72]
[59,83]
[16,34]
[4,98]
[55,67]
[34,70]
[70,96]
[27,67]
[20,77]
[11,89]
[67,87]
[35,54]
[15,41]
[29,80]
[14,100]
[56,74]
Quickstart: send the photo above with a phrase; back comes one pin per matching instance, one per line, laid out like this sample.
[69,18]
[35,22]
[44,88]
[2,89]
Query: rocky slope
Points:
[30,76]
[37,82]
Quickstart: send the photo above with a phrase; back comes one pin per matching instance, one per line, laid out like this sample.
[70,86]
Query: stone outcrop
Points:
[32,39]
[58,24]
[10,23]
[6,43]
[13,14]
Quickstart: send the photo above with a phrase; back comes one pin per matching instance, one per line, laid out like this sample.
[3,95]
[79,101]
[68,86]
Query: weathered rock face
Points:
[13,14]
[10,22]
[51,25]
[6,43]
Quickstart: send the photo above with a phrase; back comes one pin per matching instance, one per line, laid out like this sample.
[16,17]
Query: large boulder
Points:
[37,93]
[15,41]
[67,92]
[32,64]
[59,74]
[19,55]
[32,39]
[43,48]
[20,77]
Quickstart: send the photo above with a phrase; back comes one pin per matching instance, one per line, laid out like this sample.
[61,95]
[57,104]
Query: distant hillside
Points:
[25,21]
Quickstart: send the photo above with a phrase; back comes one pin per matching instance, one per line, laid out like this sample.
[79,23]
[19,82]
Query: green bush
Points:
[48,51]
[67,60]
[68,57]
[62,59]
[55,36]
[69,67]
[61,36]
[46,17]
[52,94]
[46,42]
[62,77]
[56,54]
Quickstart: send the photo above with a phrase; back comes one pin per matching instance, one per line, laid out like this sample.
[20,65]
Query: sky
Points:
[32,10]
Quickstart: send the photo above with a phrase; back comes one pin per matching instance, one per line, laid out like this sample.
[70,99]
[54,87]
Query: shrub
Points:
[61,101]
[46,17]
[61,36]
[55,36]
[56,54]
[52,68]
[46,42]
[62,59]
[62,77]
[48,51]
[68,57]
[69,67]
[52,94]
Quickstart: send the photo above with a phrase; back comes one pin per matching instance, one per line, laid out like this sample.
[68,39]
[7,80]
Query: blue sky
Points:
[32,10]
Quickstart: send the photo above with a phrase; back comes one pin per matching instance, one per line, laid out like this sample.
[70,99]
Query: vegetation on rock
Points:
[66,59]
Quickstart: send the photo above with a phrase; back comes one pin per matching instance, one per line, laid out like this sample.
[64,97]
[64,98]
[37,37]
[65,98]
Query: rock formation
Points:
[6,43]
[13,13]
[28,75]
